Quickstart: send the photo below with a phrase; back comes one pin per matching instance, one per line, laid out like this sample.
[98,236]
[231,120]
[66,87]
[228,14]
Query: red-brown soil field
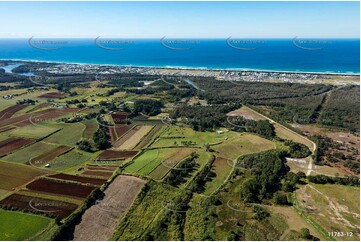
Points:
[101,168]
[81,179]
[53,95]
[10,111]
[46,206]
[11,144]
[120,118]
[114,154]
[98,173]
[60,188]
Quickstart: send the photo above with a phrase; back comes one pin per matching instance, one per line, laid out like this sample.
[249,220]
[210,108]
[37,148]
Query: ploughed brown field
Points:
[149,137]
[114,154]
[46,115]
[120,118]
[10,111]
[46,157]
[41,116]
[46,206]
[53,95]
[107,213]
[118,131]
[101,168]
[11,144]
[81,179]
[60,188]
[98,173]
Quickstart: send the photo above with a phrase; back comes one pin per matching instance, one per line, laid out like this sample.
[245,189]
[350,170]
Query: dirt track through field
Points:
[100,220]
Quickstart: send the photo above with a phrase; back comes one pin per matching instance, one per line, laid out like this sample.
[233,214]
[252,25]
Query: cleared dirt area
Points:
[106,213]
[247,113]
[61,188]
[114,154]
[81,179]
[40,205]
[132,138]
[12,144]
[294,220]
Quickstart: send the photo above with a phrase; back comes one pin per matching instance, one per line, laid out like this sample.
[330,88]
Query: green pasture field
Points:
[90,127]
[70,161]
[144,216]
[35,131]
[241,145]
[221,168]
[174,136]
[149,160]
[29,152]
[69,135]
[23,226]
[168,163]
[203,158]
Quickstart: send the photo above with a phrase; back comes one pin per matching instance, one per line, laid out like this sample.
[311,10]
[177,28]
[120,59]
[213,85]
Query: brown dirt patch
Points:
[106,213]
[11,144]
[114,154]
[81,179]
[61,188]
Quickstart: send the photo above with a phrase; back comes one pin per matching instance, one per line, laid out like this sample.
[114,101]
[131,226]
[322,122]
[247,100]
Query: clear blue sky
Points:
[180,19]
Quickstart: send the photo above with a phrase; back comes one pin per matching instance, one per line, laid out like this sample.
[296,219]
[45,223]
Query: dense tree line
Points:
[261,127]
[322,179]
[267,169]
[148,107]
[177,176]
[297,150]
[204,118]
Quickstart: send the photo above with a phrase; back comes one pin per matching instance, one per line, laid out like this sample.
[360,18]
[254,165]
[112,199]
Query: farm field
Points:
[90,127]
[44,206]
[23,226]
[35,131]
[48,156]
[169,163]
[69,161]
[132,138]
[114,155]
[26,154]
[14,175]
[60,188]
[11,144]
[107,213]
[155,206]
[63,137]
[221,169]
[242,145]
[144,142]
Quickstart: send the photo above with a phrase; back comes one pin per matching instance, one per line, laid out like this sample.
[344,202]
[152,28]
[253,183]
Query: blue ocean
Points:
[290,55]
